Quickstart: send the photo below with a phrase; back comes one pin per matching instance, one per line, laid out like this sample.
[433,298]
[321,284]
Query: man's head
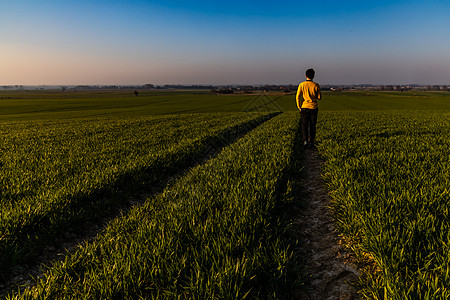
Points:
[310,73]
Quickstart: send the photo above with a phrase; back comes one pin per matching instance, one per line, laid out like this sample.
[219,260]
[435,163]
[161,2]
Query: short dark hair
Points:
[310,73]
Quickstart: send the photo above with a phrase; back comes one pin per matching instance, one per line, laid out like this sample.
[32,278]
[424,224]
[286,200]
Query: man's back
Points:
[307,95]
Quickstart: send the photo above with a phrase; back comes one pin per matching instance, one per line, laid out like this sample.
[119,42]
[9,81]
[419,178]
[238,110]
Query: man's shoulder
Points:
[306,82]
[309,82]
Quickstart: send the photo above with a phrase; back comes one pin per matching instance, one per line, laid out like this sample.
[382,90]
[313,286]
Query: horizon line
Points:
[212,85]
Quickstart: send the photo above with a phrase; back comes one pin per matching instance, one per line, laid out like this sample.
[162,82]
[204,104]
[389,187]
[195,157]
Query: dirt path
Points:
[328,265]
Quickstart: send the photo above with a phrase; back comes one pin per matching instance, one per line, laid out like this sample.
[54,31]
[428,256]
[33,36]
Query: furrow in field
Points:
[330,269]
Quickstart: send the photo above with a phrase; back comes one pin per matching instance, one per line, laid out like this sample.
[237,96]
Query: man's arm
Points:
[299,97]
[319,93]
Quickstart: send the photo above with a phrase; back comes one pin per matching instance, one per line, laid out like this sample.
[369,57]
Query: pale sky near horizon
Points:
[61,42]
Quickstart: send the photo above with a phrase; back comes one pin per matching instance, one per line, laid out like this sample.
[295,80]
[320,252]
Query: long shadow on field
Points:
[286,277]
[48,239]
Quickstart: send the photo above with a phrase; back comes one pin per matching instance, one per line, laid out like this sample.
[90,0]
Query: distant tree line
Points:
[233,89]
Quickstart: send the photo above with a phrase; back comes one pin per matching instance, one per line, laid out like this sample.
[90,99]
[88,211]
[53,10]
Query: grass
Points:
[388,174]
[369,101]
[40,105]
[58,175]
[51,105]
[215,233]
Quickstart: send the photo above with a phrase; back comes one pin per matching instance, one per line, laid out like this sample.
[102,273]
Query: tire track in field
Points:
[328,265]
[24,276]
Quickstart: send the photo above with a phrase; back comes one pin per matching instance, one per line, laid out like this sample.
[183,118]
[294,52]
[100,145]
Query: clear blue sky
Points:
[234,42]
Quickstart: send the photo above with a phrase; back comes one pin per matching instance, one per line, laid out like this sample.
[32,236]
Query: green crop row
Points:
[57,175]
[41,105]
[53,105]
[389,176]
[216,233]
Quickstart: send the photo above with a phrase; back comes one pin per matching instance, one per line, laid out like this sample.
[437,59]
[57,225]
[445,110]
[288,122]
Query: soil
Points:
[331,271]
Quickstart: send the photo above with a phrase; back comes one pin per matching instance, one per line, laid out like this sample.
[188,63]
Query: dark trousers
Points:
[309,121]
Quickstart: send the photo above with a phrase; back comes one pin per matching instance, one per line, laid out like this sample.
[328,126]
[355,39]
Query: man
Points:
[308,93]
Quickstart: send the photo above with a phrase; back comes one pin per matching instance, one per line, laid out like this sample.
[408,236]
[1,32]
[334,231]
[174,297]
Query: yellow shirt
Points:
[307,95]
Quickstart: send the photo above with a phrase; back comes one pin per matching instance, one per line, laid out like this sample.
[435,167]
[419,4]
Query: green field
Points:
[219,230]
[43,105]
[389,176]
